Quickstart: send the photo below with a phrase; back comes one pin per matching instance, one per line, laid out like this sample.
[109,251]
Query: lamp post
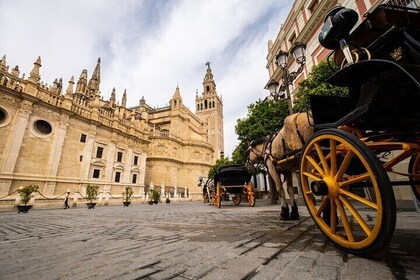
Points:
[281,91]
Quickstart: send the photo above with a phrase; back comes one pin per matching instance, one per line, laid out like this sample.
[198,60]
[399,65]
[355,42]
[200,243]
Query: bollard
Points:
[107,194]
[75,198]
[100,198]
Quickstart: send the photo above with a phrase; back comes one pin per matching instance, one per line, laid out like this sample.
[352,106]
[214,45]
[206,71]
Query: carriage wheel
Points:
[339,171]
[414,168]
[249,194]
[237,199]
[217,200]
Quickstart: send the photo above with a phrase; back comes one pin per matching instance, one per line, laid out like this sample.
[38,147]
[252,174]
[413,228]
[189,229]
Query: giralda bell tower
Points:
[209,108]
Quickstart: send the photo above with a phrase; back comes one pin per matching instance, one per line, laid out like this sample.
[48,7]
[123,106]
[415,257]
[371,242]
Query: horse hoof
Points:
[284,216]
[294,216]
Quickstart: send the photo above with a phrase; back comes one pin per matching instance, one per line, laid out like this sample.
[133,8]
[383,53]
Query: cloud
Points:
[148,47]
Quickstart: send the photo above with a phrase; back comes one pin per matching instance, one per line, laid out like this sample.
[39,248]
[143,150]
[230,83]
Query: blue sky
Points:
[148,47]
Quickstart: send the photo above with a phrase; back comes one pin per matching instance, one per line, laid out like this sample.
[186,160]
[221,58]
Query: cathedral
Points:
[66,137]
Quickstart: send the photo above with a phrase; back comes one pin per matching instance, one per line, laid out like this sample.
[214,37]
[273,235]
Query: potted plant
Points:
[126,196]
[154,196]
[92,192]
[25,195]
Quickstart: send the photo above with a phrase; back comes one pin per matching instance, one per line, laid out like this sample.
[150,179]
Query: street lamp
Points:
[298,52]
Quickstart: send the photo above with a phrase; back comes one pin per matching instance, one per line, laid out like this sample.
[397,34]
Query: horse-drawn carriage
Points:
[234,180]
[358,139]
[351,143]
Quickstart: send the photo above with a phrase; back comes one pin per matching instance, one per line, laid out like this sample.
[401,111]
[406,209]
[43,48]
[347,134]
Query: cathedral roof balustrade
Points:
[79,102]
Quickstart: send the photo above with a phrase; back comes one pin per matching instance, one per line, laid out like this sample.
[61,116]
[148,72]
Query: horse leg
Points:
[294,215]
[272,171]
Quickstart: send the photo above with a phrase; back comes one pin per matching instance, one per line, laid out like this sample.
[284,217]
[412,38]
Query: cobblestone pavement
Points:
[190,240]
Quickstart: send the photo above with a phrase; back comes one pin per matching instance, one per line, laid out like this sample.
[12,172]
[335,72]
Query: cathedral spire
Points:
[124,99]
[177,93]
[95,80]
[209,85]
[34,76]
[176,100]
[112,99]
[69,91]
[3,63]
[82,83]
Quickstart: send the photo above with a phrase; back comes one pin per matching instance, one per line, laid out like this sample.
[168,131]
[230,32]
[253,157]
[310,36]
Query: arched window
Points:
[205,104]
[213,104]
[198,107]
[208,88]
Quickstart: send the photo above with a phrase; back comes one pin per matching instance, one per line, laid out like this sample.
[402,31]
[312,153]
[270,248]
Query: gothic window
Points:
[83,138]
[198,107]
[205,104]
[213,104]
[201,106]
[99,152]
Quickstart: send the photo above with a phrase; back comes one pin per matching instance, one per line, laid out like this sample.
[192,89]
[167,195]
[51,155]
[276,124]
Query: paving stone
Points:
[189,241]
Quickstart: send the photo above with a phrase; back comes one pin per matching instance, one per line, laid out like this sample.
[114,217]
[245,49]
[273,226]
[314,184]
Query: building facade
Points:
[65,139]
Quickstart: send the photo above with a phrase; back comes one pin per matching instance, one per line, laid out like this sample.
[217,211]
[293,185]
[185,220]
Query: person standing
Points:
[66,200]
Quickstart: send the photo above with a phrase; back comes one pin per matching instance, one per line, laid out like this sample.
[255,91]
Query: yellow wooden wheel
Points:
[236,199]
[217,198]
[347,192]
[249,194]
[414,168]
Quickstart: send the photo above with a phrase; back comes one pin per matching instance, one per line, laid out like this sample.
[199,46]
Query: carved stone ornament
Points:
[25,108]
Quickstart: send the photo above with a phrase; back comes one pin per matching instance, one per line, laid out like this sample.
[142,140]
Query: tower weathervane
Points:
[208,64]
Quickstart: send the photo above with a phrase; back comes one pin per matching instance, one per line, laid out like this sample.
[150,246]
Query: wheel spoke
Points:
[322,206]
[333,156]
[315,164]
[344,165]
[333,217]
[312,176]
[345,221]
[322,158]
[358,198]
[356,215]
[356,179]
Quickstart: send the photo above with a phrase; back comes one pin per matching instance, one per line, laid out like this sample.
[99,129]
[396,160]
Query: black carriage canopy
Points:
[384,92]
[232,175]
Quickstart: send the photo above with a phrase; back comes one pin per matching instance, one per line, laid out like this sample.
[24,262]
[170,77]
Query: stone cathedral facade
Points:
[65,137]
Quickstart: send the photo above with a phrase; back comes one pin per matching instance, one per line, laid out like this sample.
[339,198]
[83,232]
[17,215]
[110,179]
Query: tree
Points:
[264,118]
[239,154]
[316,84]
